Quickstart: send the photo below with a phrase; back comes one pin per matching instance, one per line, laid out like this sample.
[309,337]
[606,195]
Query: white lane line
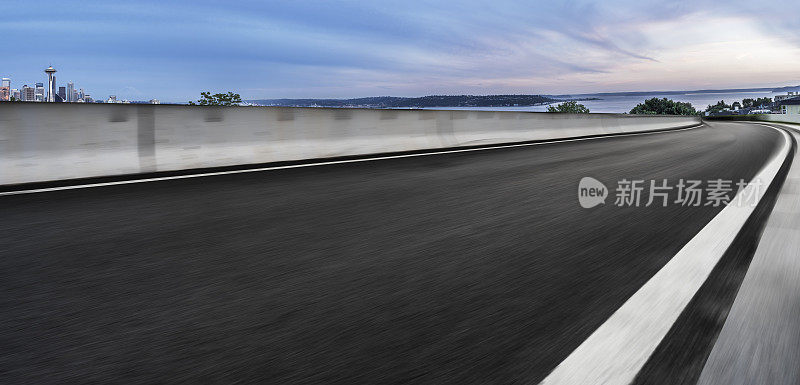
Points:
[260,169]
[758,343]
[618,349]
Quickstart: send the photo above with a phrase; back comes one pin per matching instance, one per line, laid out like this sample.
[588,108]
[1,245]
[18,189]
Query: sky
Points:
[173,50]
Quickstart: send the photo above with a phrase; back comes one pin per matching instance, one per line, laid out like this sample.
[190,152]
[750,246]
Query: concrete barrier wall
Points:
[786,118]
[44,142]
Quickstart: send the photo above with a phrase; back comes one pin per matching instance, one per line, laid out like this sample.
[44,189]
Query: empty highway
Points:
[464,268]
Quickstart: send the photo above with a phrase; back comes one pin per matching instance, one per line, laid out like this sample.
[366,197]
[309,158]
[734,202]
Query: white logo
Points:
[591,192]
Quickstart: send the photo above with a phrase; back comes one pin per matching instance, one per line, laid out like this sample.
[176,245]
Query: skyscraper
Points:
[15,94]
[27,94]
[51,84]
[5,89]
[38,93]
[71,92]
[62,93]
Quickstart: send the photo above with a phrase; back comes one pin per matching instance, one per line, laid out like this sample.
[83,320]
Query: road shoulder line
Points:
[759,340]
[620,347]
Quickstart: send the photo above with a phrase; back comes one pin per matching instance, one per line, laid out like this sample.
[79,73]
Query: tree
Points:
[762,102]
[570,107]
[757,102]
[717,107]
[663,106]
[206,99]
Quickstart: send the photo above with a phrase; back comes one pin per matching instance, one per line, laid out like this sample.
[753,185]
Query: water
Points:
[620,104]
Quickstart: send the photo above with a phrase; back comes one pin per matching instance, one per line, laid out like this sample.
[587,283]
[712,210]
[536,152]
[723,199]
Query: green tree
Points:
[228,99]
[758,102]
[663,106]
[570,107]
[717,107]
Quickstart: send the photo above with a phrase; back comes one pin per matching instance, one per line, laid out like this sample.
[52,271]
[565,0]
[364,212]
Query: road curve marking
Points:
[327,163]
[758,341]
[616,352]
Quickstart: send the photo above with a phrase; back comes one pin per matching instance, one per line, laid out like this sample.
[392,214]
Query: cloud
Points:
[174,50]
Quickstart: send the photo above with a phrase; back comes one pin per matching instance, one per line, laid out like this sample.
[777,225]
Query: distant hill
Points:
[690,92]
[424,101]
[787,89]
[487,100]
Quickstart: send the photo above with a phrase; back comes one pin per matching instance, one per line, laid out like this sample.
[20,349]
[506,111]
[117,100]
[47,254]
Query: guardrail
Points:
[45,141]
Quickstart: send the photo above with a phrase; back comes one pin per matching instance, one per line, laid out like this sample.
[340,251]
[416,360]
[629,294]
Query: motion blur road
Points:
[476,267]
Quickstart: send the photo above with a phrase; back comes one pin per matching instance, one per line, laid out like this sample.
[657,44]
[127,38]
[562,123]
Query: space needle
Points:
[51,84]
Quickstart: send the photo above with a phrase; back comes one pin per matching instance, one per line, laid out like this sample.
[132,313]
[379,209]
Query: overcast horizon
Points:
[348,49]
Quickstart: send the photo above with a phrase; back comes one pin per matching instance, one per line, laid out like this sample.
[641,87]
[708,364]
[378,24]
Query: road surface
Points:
[465,268]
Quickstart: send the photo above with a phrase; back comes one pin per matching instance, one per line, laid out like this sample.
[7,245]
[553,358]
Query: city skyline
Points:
[69,93]
[54,93]
[36,92]
[344,49]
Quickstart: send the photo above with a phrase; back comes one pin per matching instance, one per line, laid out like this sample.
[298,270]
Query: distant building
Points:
[51,84]
[112,99]
[62,93]
[71,94]
[154,101]
[15,94]
[789,95]
[791,106]
[27,94]
[5,89]
[38,93]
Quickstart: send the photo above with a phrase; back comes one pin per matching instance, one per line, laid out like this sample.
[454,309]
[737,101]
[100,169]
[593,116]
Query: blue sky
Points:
[172,50]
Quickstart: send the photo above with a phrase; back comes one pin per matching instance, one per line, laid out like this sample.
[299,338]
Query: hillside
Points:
[425,101]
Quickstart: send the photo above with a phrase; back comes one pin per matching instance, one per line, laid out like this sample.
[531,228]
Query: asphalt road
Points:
[475,267]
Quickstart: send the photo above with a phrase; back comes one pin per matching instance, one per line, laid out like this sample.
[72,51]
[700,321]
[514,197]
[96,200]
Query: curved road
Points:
[477,267]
